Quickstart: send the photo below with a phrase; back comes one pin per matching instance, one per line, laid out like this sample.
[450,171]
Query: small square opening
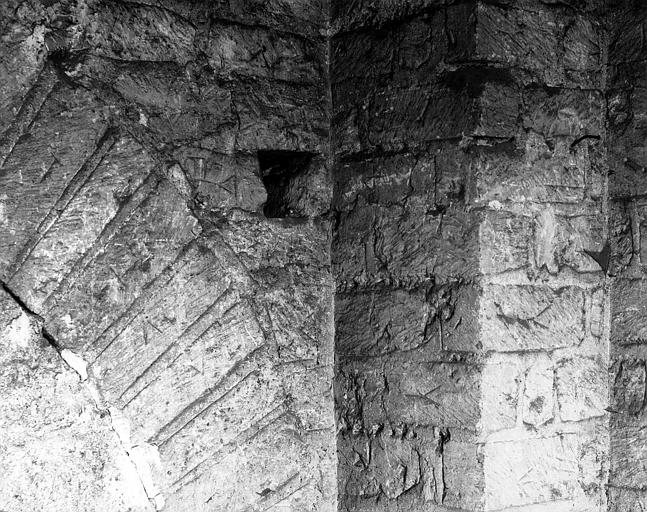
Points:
[279,170]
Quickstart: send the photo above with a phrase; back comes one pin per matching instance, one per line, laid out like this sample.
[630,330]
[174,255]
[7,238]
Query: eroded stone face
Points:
[133,221]
[58,447]
[234,217]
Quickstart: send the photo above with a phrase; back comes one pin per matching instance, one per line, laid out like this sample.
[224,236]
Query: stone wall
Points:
[283,255]
[470,206]
[405,257]
[542,240]
[626,142]
[162,188]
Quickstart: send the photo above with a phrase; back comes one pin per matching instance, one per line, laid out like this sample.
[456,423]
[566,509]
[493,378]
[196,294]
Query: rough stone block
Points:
[138,249]
[387,181]
[387,465]
[140,32]
[275,465]
[628,386]
[515,391]
[642,228]
[375,323]
[237,50]
[467,101]
[386,244]
[563,114]
[519,318]
[628,314]
[626,500]
[622,246]
[363,54]
[428,393]
[456,307]
[582,388]
[627,161]
[303,17]
[538,401]
[463,475]
[628,454]
[282,116]
[498,110]
[444,394]
[504,242]
[22,60]
[35,175]
[348,15]
[221,182]
[500,393]
[60,243]
[403,53]
[529,471]
[437,111]
[541,172]
[58,448]
[540,46]
[623,47]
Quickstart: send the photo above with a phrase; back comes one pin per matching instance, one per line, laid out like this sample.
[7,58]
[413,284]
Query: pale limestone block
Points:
[515,318]
[501,379]
[529,471]
[538,402]
[582,388]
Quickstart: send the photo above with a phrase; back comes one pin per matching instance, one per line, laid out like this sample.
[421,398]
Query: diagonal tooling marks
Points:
[125,211]
[260,426]
[281,493]
[84,173]
[118,422]
[212,395]
[188,337]
[29,109]
[152,293]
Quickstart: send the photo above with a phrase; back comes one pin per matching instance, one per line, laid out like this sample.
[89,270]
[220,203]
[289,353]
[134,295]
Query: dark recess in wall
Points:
[278,171]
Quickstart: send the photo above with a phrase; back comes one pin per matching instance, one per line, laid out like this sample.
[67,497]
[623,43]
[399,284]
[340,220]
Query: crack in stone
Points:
[139,455]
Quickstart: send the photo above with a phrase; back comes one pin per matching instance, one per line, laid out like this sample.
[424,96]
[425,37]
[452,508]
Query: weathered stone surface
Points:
[628,386]
[303,17]
[237,50]
[349,15]
[627,455]
[394,321]
[545,172]
[222,182]
[538,470]
[137,32]
[448,108]
[387,464]
[538,405]
[545,46]
[41,166]
[438,318]
[58,448]
[551,239]
[459,260]
[504,237]
[518,318]
[423,393]
[624,499]
[86,216]
[581,386]
[132,221]
[370,246]
[628,324]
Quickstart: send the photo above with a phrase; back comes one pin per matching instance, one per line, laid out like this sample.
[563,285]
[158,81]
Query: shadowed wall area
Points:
[293,255]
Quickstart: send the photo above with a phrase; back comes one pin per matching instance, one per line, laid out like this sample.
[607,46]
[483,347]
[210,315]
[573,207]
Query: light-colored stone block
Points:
[582,388]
